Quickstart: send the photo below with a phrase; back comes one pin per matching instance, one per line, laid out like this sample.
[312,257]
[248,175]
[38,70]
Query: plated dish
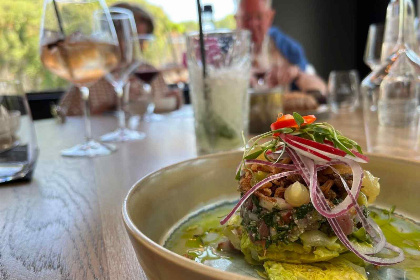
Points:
[291,226]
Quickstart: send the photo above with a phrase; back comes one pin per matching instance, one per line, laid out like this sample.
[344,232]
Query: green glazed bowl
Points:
[161,199]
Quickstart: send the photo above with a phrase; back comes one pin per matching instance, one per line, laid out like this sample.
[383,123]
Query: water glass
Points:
[18,146]
[219,93]
[343,87]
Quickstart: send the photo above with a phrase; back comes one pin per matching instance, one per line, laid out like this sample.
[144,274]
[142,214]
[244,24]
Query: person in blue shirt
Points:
[278,56]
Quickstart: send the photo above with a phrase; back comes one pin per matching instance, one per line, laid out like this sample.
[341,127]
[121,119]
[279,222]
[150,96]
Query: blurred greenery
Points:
[19,40]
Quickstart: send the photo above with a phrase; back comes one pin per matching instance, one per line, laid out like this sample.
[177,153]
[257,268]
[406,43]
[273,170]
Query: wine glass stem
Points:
[121,113]
[84,91]
[151,107]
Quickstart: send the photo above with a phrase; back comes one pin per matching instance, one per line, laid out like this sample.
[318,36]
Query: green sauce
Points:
[198,238]
[402,233]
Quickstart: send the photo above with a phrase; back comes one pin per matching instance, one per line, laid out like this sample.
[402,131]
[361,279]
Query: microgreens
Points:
[270,142]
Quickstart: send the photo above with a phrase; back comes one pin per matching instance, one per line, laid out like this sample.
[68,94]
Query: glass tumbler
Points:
[219,81]
[343,88]
[18,146]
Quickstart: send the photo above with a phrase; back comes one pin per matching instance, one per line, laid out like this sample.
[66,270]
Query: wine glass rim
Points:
[120,13]
[220,32]
[344,72]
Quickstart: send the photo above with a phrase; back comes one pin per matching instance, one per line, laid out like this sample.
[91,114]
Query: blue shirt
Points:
[289,48]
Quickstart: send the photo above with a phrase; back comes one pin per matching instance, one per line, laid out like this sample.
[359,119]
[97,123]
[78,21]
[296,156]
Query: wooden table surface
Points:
[66,223]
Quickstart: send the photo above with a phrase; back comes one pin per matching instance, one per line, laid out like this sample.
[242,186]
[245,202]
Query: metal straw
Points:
[210,125]
[60,23]
[202,49]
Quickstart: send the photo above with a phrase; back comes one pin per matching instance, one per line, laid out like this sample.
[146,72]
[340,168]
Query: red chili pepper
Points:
[288,121]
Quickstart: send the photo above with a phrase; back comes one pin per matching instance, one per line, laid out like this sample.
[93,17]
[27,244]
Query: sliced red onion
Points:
[371,259]
[254,189]
[303,171]
[374,232]
[364,256]
[307,169]
[267,163]
[351,198]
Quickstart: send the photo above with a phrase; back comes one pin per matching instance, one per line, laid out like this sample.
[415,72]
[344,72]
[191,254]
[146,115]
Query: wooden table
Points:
[66,223]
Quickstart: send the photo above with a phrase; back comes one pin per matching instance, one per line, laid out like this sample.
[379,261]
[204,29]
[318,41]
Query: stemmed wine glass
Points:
[262,63]
[73,48]
[173,72]
[147,72]
[129,51]
[373,50]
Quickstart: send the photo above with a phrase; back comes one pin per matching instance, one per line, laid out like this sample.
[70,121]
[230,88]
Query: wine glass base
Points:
[123,135]
[154,117]
[92,148]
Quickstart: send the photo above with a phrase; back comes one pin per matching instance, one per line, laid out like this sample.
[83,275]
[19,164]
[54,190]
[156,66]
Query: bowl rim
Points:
[182,261]
[162,251]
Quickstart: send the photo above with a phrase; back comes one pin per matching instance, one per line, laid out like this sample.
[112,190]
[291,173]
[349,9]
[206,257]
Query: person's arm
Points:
[309,82]
[292,69]
[286,74]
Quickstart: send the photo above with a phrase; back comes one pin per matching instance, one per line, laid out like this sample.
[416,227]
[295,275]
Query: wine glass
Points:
[73,48]
[261,64]
[343,87]
[174,73]
[373,49]
[147,72]
[129,52]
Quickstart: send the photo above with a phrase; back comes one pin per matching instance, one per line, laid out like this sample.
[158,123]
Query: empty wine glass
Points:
[373,49]
[129,52]
[343,87]
[174,73]
[73,48]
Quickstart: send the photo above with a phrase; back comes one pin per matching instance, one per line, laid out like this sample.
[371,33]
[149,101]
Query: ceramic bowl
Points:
[160,200]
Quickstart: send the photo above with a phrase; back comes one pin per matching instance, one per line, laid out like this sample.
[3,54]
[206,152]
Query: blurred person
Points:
[282,58]
[102,95]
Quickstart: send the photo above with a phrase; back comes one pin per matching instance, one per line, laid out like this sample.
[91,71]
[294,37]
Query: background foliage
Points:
[19,38]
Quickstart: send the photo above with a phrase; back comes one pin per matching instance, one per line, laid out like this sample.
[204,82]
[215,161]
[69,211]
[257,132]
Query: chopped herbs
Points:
[302,211]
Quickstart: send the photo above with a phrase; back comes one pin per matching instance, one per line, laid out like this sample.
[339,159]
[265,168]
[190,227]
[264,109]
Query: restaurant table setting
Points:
[119,210]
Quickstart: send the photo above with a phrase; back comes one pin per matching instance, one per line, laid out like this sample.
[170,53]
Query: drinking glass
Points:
[392,26]
[174,73]
[129,53]
[18,145]
[147,72]
[373,49]
[343,87]
[219,88]
[391,99]
[73,48]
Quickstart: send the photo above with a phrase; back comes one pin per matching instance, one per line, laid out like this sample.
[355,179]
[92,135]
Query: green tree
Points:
[227,22]
[19,40]
[19,51]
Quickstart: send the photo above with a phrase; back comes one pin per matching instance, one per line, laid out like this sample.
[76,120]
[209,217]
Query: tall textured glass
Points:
[392,25]
[391,99]
[219,94]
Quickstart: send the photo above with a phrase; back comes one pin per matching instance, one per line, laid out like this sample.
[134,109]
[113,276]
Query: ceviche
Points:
[304,198]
